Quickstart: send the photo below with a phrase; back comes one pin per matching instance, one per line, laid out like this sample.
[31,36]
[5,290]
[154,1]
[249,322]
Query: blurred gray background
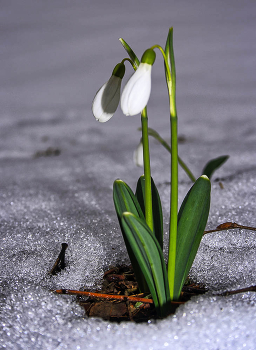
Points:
[56,54]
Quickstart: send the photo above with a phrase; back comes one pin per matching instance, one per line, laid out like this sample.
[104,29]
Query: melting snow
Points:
[55,56]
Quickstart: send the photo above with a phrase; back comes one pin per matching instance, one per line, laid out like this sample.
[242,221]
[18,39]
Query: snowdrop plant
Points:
[140,213]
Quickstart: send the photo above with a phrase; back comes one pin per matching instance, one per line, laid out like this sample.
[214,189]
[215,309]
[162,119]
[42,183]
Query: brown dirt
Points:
[120,280]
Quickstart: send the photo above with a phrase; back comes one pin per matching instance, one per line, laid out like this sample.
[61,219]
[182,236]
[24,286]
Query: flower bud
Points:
[137,90]
[107,98]
[119,70]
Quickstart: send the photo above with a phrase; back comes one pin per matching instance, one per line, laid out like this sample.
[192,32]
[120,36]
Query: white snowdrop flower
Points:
[136,93]
[138,155]
[107,98]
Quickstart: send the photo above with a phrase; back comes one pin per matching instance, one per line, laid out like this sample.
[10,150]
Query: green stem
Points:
[128,59]
[167,71]
[146,158]
[171,84]
[174,172]
[147,172]
[153,133]
[174,205]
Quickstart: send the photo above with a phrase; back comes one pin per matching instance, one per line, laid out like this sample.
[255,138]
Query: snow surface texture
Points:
[54,57]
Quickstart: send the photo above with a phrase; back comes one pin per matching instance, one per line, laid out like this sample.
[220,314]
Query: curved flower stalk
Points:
[137,90]
[107,98]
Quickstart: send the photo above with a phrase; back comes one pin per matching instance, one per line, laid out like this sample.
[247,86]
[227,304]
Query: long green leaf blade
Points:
[192,220]
[168,56]
[125,201]
[149,255]
[213,165]
[131,53]
[156,206]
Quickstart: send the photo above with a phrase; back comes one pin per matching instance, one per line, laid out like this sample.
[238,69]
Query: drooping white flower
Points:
[138,155]
[136,93]
[107,98]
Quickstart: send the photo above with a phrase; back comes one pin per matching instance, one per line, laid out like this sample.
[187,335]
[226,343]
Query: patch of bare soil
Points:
[134,306]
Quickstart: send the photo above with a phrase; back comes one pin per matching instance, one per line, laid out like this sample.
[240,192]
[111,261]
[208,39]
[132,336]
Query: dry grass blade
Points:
[230,226]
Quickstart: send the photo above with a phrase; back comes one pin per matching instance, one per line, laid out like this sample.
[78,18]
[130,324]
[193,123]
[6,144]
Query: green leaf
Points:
[170,71]
[156,206]
[150,258]
[192,219]
[214,164]
[125,201]
[131,53]
[167,54]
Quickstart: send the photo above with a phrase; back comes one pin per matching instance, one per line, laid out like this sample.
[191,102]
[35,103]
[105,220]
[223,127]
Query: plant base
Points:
[120,280]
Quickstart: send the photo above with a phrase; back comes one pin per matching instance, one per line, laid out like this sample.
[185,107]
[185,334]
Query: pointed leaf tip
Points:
[130,52]
[213,165]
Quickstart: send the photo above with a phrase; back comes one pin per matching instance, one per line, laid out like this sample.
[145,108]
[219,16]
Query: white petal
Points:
[136,93]
[138,156]
[107,99]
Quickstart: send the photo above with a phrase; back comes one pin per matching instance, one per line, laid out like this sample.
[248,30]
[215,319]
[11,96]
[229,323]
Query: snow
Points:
[54,57]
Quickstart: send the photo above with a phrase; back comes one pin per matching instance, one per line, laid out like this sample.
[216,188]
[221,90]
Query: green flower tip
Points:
[118,181]
[126,214]
[119,70]
[205,177]
[148,57]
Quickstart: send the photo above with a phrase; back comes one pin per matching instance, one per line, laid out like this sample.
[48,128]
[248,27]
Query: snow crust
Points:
[52,66]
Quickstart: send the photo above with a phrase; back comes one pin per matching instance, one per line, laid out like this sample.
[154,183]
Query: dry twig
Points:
[243,290]
[228,226]
[109,296]
[60,261]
